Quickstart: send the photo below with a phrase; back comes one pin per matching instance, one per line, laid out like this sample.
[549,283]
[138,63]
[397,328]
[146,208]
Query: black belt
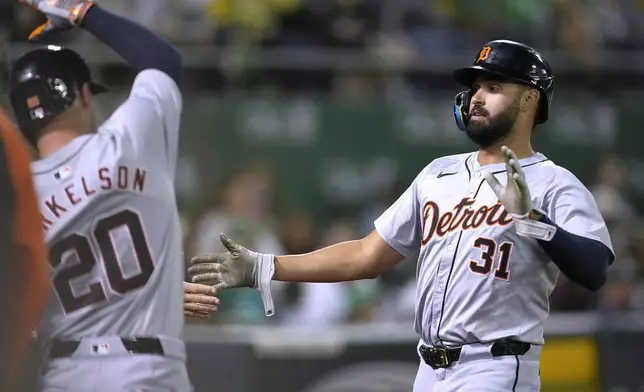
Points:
[443,357]
[67,348]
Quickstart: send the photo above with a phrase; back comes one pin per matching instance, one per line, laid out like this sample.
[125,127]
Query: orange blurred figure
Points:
[24,273]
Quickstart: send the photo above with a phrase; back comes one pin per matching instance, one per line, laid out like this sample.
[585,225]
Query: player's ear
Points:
[529,99]
[85,96]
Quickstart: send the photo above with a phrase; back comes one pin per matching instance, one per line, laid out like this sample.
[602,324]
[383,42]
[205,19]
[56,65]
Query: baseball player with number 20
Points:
[494,228]
[109,212]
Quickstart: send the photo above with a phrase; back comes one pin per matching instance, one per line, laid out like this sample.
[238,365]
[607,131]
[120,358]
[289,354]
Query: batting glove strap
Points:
[77,12]
[265,269]
[530,228]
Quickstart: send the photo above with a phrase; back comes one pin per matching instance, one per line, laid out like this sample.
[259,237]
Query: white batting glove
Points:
[239,267]
[516,199]
[61,15]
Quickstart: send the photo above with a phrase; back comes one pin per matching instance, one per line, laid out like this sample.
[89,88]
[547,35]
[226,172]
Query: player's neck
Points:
[493,154]
[52,141]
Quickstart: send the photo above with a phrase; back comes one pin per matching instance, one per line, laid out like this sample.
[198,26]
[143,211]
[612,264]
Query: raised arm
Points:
[137,45]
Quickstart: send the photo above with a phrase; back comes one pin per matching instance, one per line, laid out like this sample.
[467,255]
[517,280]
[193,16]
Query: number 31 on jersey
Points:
[489,249]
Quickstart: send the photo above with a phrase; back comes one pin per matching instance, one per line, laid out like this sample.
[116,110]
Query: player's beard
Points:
[496,129]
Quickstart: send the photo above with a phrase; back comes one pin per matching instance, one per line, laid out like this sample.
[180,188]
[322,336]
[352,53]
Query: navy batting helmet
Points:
[508,61]
[44,83]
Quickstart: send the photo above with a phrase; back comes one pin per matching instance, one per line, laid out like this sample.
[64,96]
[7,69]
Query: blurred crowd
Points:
[429,25]
[269,42]
[244,208]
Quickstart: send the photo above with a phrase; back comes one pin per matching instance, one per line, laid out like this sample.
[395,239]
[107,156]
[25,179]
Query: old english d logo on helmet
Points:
[509,61]
[484,53]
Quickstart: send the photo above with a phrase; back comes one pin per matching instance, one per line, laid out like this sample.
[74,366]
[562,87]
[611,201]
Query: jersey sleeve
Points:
[571,206]
[400,226]
[150,117]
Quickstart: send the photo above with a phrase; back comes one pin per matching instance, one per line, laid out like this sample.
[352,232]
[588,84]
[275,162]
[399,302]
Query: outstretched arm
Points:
[397,234]
[240,267]
[352,260]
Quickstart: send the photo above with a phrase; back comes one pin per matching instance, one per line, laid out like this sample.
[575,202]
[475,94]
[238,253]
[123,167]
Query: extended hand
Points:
[235,268]
[517,201]
[239,267]
[61,15]
[199,300]
[515,196]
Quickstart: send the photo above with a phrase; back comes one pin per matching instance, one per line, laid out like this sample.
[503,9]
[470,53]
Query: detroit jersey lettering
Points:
[111,222]
[478,280]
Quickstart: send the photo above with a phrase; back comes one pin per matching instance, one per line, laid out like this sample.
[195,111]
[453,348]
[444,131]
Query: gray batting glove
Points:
[239,267]
[515,197]
[61,15]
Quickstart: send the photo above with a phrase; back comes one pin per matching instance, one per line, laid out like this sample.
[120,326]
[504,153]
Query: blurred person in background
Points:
[24,271]
[623,290]
[297,233]
[244,206]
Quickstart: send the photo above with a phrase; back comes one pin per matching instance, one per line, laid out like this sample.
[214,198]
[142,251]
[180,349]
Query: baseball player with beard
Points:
[493,228]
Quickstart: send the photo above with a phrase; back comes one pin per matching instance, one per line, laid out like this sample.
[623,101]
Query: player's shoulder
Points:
[153,81]
[446,163]
[154,97]
[558,177]
[154,76]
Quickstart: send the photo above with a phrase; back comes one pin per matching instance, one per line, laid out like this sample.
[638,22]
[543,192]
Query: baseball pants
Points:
[478,371]
[105,365]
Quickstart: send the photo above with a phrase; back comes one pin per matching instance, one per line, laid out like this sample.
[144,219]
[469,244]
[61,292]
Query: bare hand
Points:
[199,300]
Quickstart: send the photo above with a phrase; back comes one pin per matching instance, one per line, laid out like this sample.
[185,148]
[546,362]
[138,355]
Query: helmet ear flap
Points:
[461,109]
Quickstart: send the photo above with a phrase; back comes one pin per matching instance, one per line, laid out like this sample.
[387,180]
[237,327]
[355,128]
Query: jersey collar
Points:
[500,167]
[61,156]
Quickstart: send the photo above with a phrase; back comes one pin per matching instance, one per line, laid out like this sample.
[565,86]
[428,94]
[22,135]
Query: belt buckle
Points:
[439,358]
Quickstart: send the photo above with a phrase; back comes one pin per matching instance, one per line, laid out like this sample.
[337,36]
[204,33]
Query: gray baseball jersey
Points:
[477,280]
[112,224]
